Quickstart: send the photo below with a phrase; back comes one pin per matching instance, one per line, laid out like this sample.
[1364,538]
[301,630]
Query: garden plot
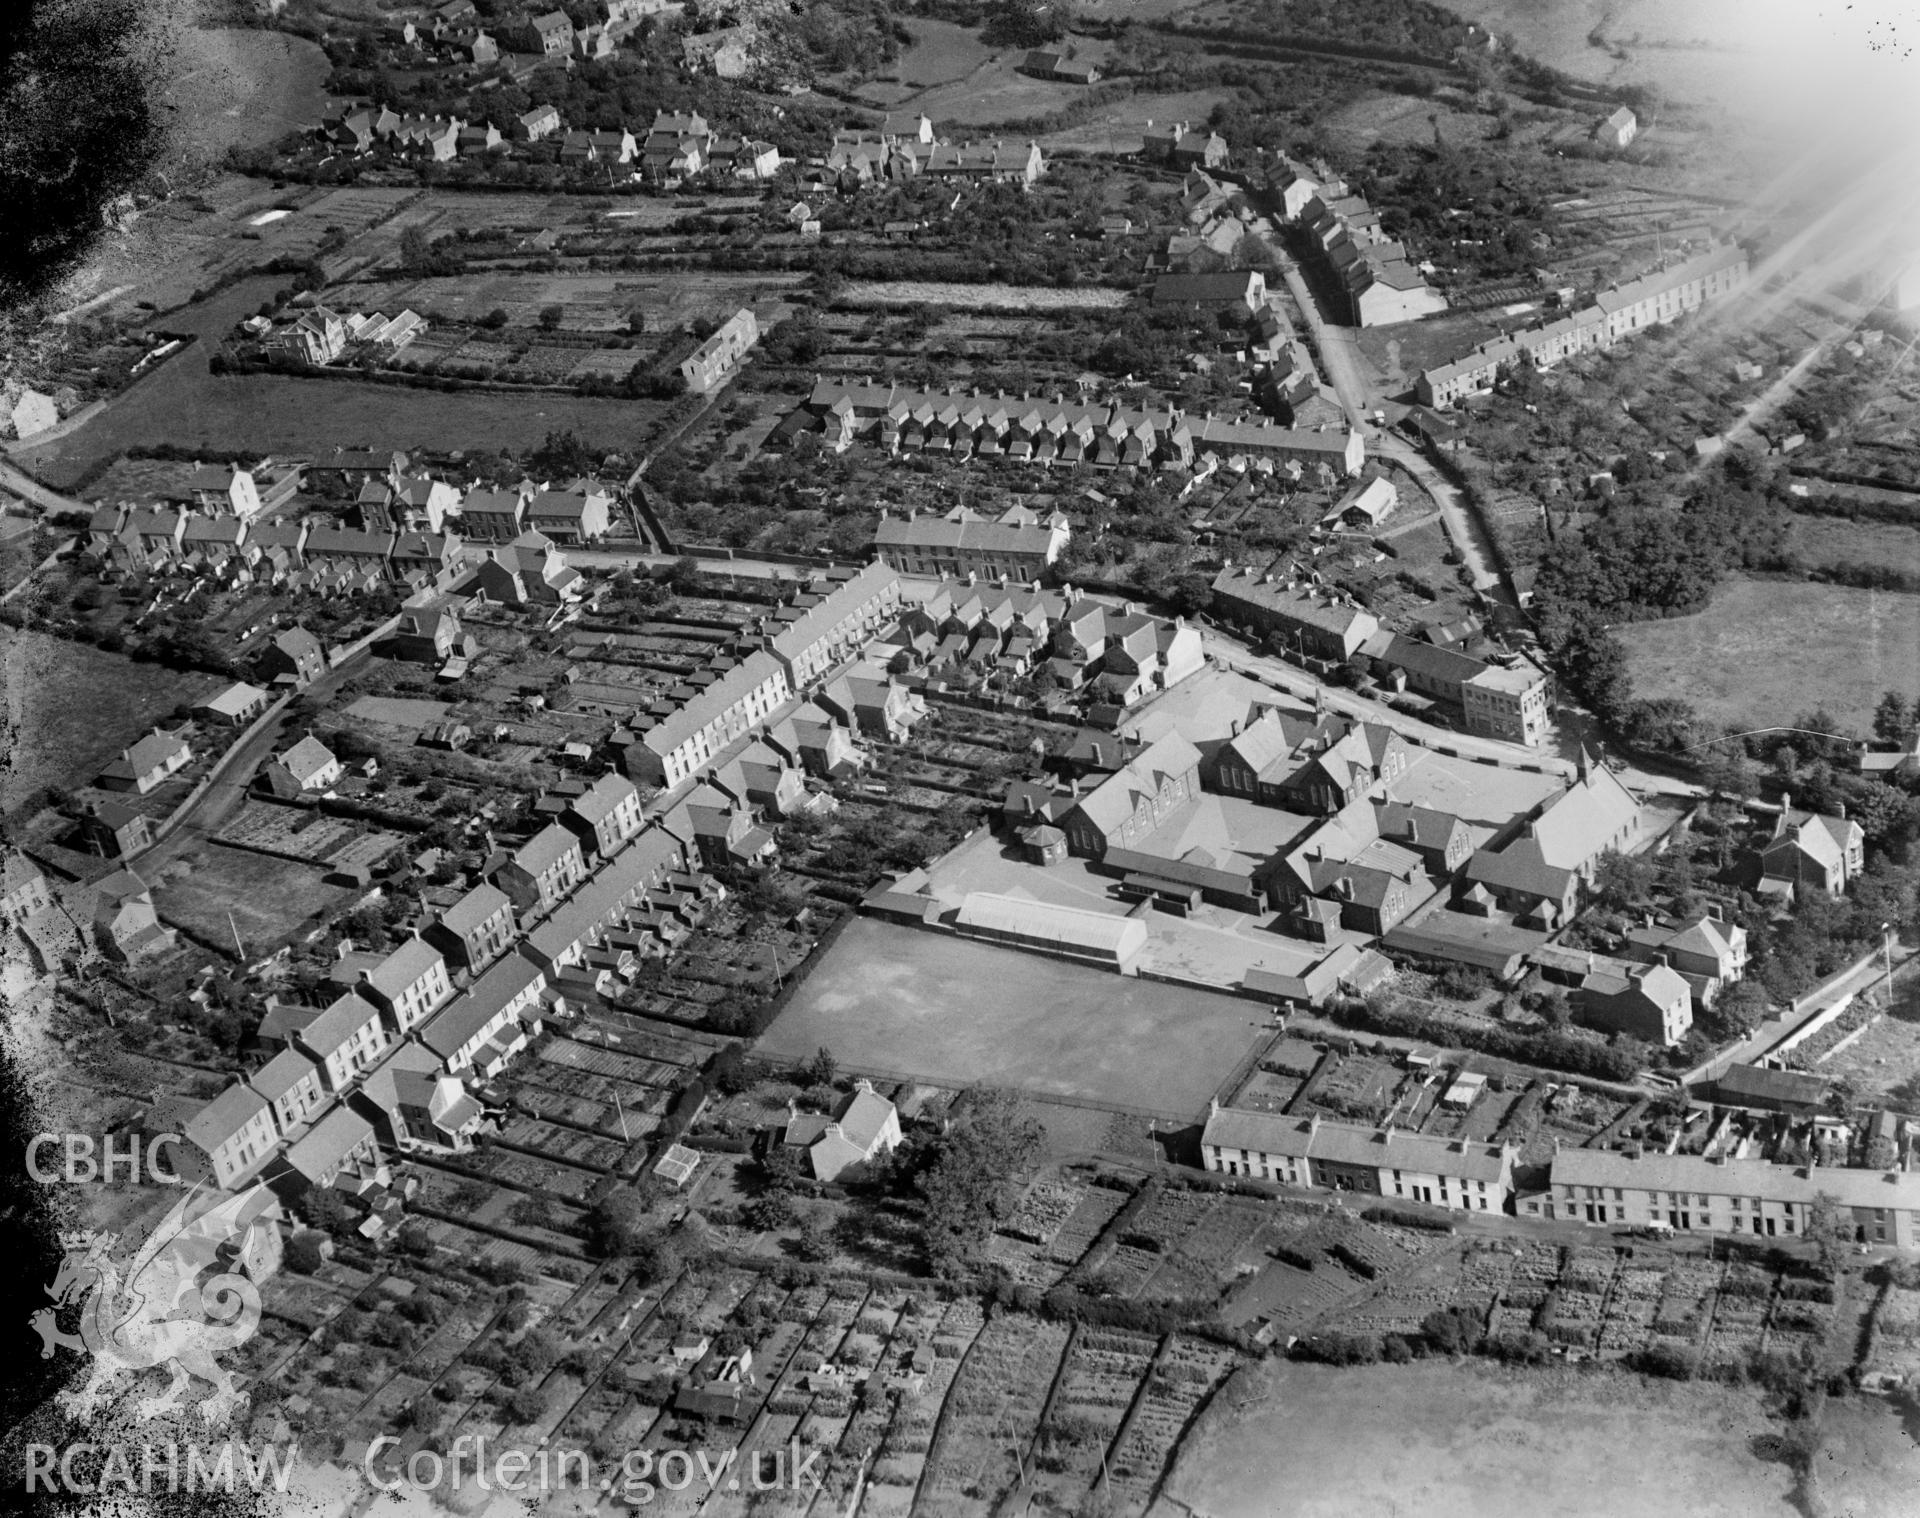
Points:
[1484,1274]
[400,712]
[577,1149]
[1685,1305]
[1741,1307]
[1535,1270]
[1097,1207]
[1043,1211]
[991,1412]
[1026,1264]
[1103,1371]
[296,833]
[1289,1297]
[1631,1310]
[1407,1304]
[1185,1375]
[1797,1325]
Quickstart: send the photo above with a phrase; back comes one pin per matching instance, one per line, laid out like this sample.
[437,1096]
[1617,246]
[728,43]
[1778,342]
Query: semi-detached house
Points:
[1313,1151]
[346,1038]
[228,1137]
[605,815]
[476,929]
[490,1023]
[409,983]
[294,1084]
[542,870]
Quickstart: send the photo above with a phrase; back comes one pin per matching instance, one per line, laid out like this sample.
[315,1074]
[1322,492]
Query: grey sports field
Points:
[958,1012]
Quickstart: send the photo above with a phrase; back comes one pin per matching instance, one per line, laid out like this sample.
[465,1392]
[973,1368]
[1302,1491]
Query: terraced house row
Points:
[397,1057]
[1661,295]
[1049,430]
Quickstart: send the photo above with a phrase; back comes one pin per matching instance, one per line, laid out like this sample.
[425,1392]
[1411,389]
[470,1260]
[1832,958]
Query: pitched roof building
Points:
[1458,1174]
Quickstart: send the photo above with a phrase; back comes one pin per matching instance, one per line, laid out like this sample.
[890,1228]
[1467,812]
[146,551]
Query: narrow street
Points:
[1857,980]
[1463,525]
[1342,370]
[1777,394]
[24,485]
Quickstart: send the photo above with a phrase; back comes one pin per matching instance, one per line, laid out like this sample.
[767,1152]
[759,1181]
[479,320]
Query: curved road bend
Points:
[1342,369]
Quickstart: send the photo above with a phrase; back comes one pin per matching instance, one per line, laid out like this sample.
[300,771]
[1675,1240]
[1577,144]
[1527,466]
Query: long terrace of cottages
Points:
[1053,429]
[1619,311]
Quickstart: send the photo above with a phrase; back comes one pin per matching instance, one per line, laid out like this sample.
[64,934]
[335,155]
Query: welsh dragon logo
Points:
[156,1308]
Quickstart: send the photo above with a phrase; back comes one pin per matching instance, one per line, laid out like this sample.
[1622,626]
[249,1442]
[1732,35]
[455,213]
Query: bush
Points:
[1451,1330]
[1355,1262]
[304,1253]
[1399,1219]
[1294,1257]
[1664,1360]
[1338,1349]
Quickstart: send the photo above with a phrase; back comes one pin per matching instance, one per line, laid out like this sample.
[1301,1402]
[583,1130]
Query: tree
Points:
[1827,1233]
[551,317]
[617,1224]
[769,1213]
[1622,882]
[730,1074]
[1894,720]
[304,1253]
[821,1069]
[815,1243]
[1451,1330]
[320,1207]
[527,1405]
[969,1185]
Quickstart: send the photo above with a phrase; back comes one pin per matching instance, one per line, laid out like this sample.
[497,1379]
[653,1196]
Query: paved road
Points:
[1863,977]
[29,489]
[1463,524]
[233,773]
[621,558]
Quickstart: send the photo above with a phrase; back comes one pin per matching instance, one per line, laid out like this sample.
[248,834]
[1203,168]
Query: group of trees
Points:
[968,1179]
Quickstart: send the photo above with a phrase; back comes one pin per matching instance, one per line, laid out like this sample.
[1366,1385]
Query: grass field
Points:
[71,708]
[269,898]
[1471,1441]
[954,77]
[962,1013]
[241,87]
[1832,540]
[1869,1465]
[1769,651]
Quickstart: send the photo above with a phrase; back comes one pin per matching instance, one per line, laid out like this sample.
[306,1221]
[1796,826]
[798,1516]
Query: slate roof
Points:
[224,1116]
[1350,1144]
